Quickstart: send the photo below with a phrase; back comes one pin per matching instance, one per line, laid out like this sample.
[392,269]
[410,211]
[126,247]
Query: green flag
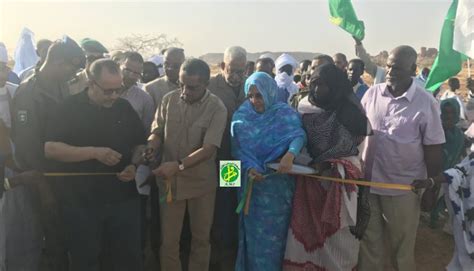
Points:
[343,15]
[448,63]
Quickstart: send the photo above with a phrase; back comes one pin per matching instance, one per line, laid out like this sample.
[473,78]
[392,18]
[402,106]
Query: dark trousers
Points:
[47,208]
[155,227]
[224,232]
[143,222]
[55,251]
[117,225]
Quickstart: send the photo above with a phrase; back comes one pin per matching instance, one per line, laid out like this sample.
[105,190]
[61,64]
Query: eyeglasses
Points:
[110,92]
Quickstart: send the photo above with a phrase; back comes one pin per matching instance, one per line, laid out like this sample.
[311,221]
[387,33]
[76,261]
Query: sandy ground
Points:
[433,250]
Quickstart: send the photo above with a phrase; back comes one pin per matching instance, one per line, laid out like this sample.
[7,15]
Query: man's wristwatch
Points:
[180,165]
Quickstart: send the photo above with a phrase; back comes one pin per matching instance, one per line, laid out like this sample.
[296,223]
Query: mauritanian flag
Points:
[463,41]
[456,42]
[343,14]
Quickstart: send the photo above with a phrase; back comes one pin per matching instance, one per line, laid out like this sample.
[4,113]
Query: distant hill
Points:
[216,58]
[426,56]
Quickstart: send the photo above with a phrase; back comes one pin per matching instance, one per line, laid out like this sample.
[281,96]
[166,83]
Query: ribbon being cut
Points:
[297,170]
[310,173]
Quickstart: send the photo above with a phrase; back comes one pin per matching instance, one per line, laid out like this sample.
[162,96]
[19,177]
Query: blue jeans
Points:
[90,229]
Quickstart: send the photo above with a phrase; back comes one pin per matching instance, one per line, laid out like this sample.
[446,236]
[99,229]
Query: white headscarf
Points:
[25,52]
[3,53]
[284,80]
[286,59]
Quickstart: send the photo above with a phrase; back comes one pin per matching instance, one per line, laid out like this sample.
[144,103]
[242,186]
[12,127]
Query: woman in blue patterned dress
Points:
[264,131]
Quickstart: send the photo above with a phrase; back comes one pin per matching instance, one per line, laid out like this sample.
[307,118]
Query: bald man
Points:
[229,87]
[405,146]
[340,60]
[158,88]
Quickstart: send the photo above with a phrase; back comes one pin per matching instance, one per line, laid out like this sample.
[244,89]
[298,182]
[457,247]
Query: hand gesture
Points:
[151,151]
[128,174]
[149,154]
[137,155]
[167,170]
[253,173]
[286,163]
[107,156]
[420,184]
[357,41]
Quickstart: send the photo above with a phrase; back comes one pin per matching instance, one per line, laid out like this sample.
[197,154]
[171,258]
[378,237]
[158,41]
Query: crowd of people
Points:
[103,154]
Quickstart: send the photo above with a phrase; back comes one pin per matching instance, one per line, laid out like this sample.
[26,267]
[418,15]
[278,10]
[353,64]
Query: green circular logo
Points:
[229,173]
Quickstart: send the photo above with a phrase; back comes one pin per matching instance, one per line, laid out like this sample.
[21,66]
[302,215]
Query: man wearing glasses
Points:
[97,132]
[229,87]
[35,102]
[132,68]
[93,50]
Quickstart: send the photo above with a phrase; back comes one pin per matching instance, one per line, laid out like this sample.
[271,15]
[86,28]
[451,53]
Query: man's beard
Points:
[233,84]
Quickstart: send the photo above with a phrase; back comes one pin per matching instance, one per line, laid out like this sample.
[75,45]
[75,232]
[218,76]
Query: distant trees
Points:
[146,44]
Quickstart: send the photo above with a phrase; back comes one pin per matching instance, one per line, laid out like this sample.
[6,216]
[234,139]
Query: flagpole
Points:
[468,67]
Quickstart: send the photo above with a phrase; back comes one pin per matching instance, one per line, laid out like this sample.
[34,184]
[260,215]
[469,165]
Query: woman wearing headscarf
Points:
[453,149]
[264,130]
[326,220]
[458,184]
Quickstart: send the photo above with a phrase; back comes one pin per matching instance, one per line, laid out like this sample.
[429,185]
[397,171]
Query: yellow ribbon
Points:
[71,174]
[406,187]
[169,194]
